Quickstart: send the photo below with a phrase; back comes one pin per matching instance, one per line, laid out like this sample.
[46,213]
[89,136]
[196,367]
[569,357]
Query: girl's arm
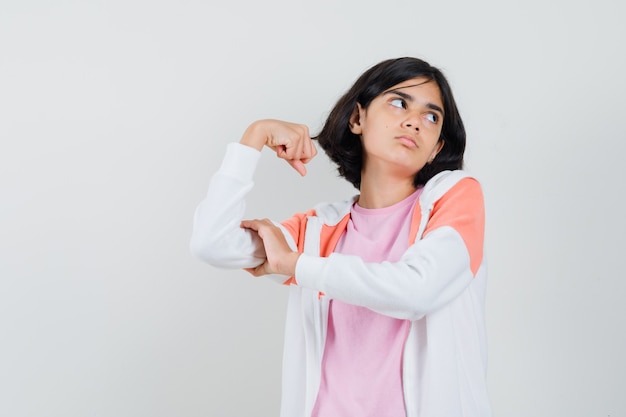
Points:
[217,236]
[432,273]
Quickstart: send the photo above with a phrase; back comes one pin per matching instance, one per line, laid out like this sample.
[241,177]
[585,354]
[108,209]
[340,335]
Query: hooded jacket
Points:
[439,285]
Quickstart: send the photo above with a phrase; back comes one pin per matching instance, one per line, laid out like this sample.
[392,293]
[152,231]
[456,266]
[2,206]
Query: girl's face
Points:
[400,129]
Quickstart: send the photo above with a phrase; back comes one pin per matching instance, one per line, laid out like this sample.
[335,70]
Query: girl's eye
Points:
[432,117]
[398,102]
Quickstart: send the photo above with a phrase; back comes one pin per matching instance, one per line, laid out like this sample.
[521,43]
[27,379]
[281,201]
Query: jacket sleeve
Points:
[431,273]
[217,237]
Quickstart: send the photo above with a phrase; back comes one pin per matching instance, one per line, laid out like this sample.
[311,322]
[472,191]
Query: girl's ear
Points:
[437,149]
[355,120]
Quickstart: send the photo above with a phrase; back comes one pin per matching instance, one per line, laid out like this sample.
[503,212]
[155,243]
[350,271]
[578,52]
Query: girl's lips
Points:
[408,141]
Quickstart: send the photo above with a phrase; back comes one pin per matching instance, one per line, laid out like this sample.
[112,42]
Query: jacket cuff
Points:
[310,270]
[240,161]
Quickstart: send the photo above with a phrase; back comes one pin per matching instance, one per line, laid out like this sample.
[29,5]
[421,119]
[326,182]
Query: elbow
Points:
[223,252]
[204,250]
[209,249]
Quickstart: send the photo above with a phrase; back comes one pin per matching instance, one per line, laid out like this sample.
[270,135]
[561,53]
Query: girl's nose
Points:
[412,120]
[412,124]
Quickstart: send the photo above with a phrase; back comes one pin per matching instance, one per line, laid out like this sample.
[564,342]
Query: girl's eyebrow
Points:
[410,98]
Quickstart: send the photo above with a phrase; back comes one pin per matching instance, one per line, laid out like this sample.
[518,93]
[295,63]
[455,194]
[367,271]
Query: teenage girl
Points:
[386,304]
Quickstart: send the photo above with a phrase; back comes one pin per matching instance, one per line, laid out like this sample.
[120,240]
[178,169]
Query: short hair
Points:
[344,147]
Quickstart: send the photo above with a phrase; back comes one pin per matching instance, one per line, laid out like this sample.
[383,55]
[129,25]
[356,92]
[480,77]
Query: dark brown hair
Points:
[344,147]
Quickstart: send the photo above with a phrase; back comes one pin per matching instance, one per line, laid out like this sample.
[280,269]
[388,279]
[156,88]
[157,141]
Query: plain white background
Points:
[114,114]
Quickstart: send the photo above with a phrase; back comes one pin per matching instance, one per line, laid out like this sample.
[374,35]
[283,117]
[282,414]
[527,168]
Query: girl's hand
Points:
[290,141]
[280,259]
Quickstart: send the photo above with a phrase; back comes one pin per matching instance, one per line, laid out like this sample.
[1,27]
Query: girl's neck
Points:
[383,191]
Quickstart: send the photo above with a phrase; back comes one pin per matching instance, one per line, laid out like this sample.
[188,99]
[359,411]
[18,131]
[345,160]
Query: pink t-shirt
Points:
[362,362]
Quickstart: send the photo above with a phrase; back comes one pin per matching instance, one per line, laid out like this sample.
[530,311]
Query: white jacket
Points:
[439,285]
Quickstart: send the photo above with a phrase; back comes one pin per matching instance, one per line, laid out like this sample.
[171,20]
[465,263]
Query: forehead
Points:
[422,87]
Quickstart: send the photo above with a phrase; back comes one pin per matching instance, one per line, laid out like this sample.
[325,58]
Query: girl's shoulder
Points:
[444,181]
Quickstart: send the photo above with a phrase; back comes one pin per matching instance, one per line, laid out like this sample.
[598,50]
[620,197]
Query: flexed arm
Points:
[217,236]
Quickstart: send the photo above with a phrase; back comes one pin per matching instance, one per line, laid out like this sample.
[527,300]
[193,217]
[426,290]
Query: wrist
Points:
[254,136]
[292,262]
